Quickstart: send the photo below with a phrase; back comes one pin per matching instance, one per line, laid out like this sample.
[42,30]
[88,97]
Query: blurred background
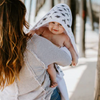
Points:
[83,80]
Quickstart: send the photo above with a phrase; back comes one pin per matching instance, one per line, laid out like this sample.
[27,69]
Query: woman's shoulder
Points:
[39,43]
[38,40]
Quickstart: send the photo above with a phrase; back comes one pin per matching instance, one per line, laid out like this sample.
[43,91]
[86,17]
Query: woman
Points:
[23,61]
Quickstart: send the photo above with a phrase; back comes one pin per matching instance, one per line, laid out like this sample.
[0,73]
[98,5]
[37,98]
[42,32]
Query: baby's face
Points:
[56,28]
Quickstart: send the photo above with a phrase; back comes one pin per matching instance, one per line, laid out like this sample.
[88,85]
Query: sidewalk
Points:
[80,80]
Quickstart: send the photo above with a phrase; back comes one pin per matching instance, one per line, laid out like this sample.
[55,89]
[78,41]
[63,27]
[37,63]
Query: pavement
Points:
[80,80]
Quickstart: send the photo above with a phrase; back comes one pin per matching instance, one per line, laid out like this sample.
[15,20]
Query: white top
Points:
[34,83]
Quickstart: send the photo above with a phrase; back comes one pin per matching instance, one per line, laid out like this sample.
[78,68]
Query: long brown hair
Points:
[12,40]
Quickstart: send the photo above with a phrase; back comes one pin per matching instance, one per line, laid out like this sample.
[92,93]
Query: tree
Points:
[39,4]
[97,91]
[90,13]
[82,28]
[72,5]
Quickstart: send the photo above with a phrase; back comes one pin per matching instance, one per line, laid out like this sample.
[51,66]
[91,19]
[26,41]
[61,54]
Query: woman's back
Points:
[31,84]
[34,80]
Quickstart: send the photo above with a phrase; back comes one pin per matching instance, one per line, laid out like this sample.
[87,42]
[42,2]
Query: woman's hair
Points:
[12,40]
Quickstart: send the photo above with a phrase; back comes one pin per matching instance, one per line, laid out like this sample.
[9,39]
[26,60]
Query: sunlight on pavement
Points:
[72,77]
[80,79]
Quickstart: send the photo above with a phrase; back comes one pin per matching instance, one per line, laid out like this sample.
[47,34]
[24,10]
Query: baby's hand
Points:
[54,84]
[31,33]
[74,62]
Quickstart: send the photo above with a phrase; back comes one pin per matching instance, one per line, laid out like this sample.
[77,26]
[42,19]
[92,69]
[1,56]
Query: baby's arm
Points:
[52,73]
[39,31]
[68,44]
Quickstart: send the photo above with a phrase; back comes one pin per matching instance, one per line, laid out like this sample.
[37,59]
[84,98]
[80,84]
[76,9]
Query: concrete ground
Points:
[80,80]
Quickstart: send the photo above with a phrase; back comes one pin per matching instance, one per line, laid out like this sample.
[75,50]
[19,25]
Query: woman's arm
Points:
[48,52]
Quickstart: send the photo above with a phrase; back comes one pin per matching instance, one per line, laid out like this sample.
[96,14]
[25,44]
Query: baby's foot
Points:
[54,84]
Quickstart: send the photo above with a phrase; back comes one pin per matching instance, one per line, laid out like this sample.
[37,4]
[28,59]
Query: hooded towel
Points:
[60,13]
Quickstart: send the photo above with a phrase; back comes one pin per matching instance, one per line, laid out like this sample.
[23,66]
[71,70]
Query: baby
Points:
[56,27]
[55,33]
